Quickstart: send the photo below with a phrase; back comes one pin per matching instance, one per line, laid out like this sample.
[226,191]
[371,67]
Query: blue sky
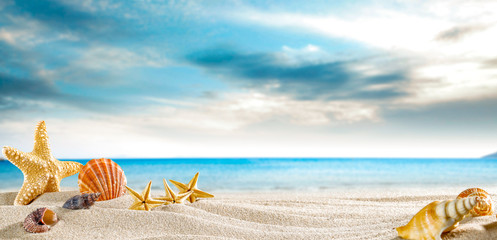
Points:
[250,78]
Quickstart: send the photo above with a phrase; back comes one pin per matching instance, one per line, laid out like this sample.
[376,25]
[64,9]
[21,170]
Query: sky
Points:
[161,79]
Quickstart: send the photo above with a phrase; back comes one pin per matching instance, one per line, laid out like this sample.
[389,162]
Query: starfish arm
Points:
[155,201]
[149,206]
[42,146]
[181,197]
[134,194]
[146,192]
[202,194]
[181,186]
[18,158]
[164,199]
[193,183]
[192,198]
[69,168]
[169,191]
[136,206]
[53,184]
[32,187]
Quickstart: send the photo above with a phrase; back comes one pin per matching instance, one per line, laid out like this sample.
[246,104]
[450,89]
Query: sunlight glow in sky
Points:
[250,78]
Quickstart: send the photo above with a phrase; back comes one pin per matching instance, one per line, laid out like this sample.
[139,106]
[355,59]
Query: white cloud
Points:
[103,65]
[439,70]
[108,57]
[385,29]
[9,37]
[27,33]
[216,129]
[240,110]
[24,34]
[458,81]
[310,54]
[139,136]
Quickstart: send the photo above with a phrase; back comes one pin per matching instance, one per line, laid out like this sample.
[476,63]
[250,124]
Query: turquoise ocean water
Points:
[310,174]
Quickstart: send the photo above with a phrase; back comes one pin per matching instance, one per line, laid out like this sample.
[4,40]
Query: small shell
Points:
[436,217]
[81,201]
[102,176]
[483,208]
[40,220]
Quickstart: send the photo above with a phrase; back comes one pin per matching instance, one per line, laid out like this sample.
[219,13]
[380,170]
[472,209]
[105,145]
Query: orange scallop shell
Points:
[483,208]
[102,176]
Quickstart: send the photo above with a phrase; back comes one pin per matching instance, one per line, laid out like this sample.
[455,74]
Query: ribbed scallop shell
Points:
[40,220]
[482,208]
[436,217]
[102,176]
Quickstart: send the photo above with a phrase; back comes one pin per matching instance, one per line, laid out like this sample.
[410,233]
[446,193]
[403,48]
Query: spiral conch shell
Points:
[102,176]
[40,220]
[481,208]
[83,201]
[436,217]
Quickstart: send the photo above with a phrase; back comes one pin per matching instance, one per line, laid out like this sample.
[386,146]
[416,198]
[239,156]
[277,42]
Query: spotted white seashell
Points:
[436,217]
[102,176]
[482,208]
[40,220]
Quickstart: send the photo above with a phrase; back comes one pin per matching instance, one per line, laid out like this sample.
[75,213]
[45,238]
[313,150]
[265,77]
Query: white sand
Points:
[344,214]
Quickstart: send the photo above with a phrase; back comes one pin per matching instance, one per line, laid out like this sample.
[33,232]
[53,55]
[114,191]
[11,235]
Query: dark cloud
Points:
[11,86]
[458,32]
[26,64]
[21,85]
[19,81]
[378,94]
[329,80]
[30,94]
[13,89]
[68,19]
[262,67]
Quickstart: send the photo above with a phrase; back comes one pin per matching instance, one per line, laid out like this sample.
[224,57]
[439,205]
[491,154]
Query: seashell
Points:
[81,201]
[482,208]
[437,217]
[102,176]
[40,220]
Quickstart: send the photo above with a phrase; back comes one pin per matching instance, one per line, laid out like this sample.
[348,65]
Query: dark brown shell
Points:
[81,201]
[40,220]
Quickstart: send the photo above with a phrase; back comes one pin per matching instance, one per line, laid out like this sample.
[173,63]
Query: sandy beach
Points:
[343,214]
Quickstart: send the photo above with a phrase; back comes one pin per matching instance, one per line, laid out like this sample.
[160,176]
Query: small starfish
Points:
[42,172]
[171,197]
[143,201]
[192,186]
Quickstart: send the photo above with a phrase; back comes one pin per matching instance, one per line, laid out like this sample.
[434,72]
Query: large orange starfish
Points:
[42,172]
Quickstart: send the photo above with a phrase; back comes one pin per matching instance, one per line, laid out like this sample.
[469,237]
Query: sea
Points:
[290,174]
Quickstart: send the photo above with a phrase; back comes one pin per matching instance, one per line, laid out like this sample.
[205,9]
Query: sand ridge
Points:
[345,214]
